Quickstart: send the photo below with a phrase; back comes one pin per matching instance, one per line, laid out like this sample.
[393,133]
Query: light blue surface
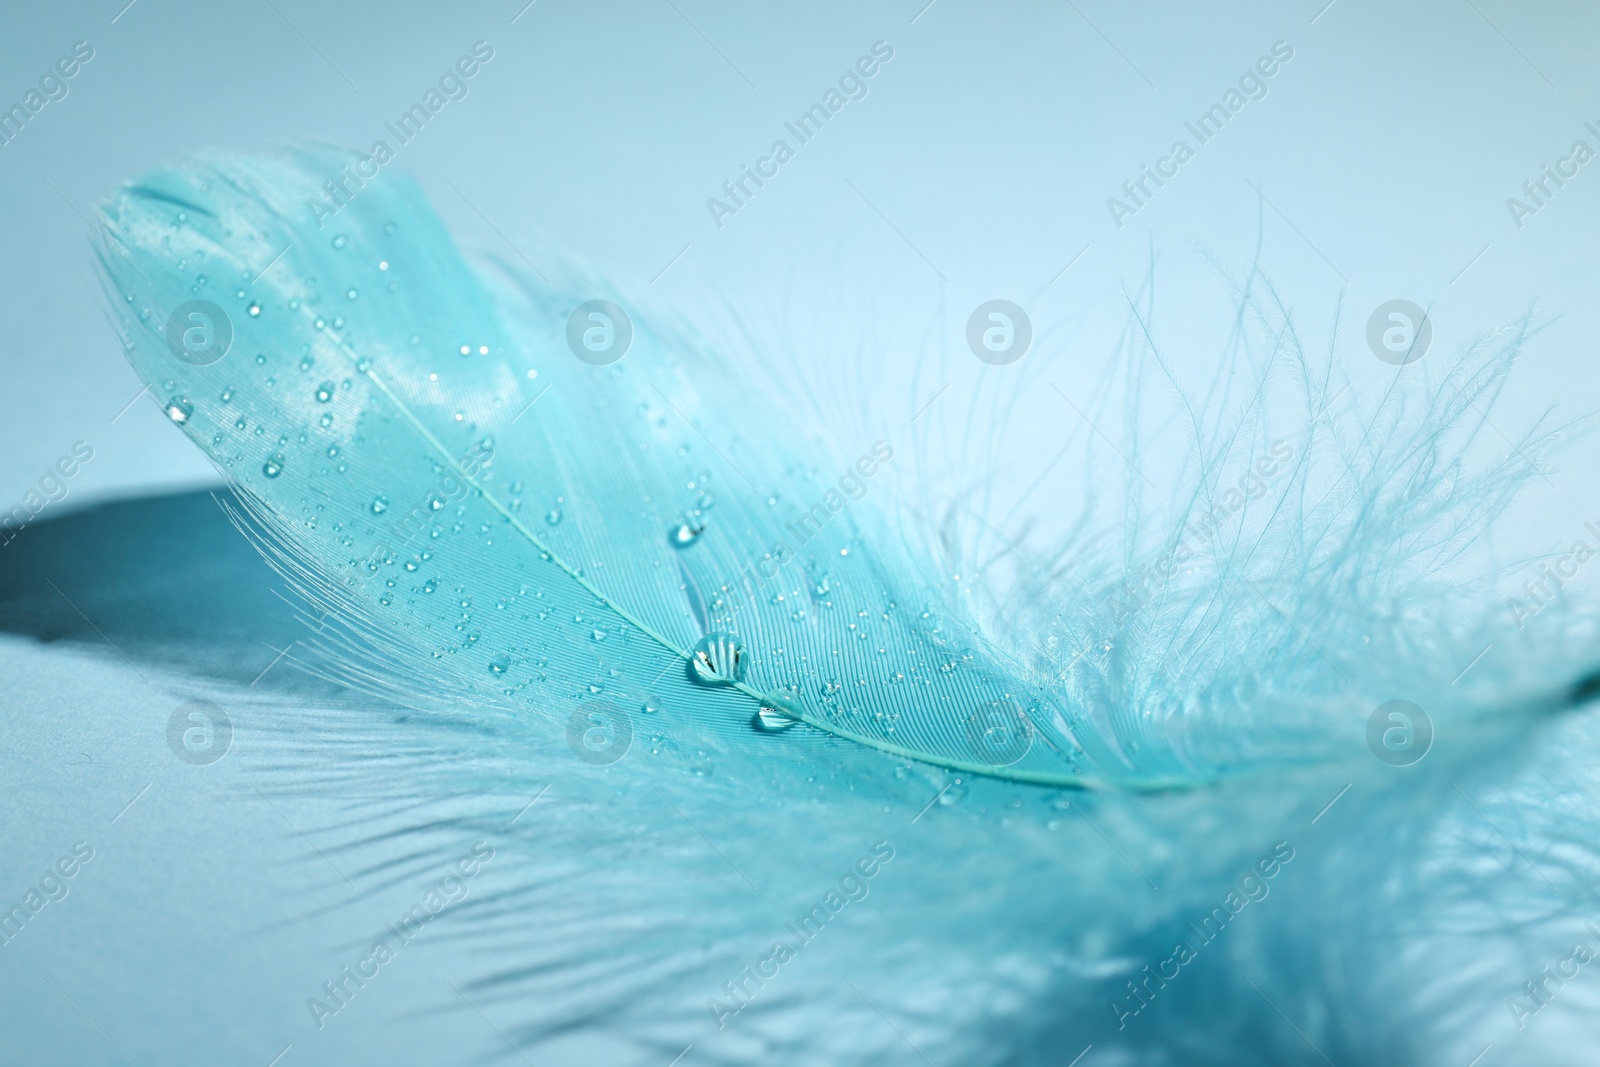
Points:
[1378,165]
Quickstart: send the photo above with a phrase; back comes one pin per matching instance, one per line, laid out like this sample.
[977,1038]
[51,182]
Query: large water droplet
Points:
[179,409]
[771,720]
[500,664]
[324,392]
[380,505]
[717,659]
[684,535]
[273,466]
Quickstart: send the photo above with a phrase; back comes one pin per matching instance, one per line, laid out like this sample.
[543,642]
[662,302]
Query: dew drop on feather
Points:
[717,659]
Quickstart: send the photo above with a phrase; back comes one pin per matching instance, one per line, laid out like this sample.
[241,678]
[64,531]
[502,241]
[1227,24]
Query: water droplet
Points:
[500,664]
[717,659]
[954,794]
[179,409]
[553,517]
[430,585]
[380,504]
[778,712]
[685,535]
[363,364]
[326,421]
[351,294]
[389,228]
[324,392]
[340,241]
[273,466]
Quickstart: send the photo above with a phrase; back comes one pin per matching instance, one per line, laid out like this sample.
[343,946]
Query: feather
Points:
[559,556]
[383,380]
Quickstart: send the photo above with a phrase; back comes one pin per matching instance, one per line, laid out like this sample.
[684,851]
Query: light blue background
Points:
[1387,148]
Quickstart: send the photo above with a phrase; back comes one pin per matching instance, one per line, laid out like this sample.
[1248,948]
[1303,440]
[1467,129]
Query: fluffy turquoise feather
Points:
[549,583]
